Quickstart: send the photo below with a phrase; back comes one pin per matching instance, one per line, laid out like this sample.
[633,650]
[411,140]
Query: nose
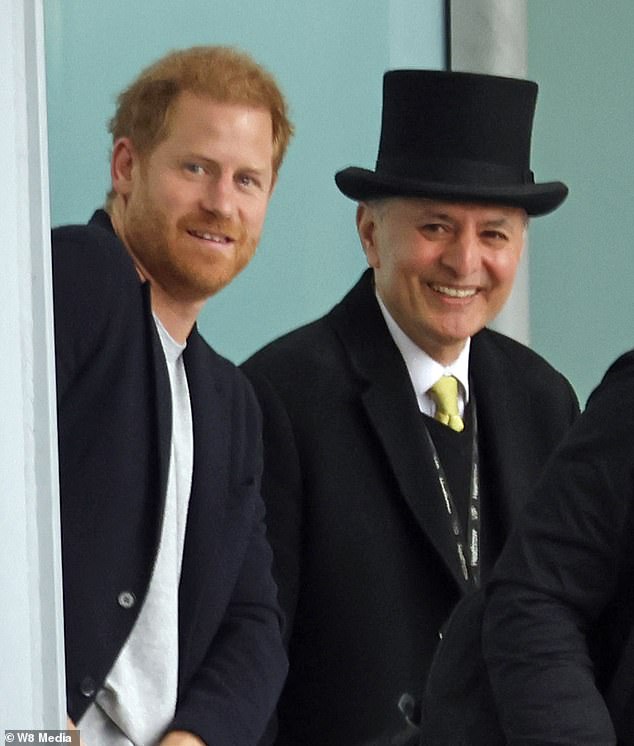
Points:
[463,254]
[218,196]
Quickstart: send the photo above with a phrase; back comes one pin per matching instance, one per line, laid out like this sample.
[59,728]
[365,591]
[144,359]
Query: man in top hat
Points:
[389,496]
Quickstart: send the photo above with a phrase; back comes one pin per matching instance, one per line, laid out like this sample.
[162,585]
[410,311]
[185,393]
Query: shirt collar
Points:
[423,370]
[171,348]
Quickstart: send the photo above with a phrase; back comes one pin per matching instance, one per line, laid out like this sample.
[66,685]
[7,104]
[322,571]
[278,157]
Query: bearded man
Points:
[171,620]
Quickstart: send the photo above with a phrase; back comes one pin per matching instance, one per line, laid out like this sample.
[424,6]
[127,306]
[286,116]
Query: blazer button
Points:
[126,599]
[88,687]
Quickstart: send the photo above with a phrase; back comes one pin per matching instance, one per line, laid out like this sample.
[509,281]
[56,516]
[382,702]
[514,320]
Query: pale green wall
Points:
[329,57]
[582,257]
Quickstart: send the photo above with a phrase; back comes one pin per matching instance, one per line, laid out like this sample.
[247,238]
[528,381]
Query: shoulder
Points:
[326,342]
[89,261]
[531,383]
[90,250]
[618,381]
[304,351]
[609,413]
[325,347]
[82,235]
[99,301]
[515,359]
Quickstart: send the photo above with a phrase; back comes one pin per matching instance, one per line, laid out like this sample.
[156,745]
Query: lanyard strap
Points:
[467,542]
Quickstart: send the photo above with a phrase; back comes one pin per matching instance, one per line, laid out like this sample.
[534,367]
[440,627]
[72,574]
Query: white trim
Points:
[31,636]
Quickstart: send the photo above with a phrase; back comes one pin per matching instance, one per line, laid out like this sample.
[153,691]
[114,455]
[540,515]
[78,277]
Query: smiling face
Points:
[443,269]
[191,211]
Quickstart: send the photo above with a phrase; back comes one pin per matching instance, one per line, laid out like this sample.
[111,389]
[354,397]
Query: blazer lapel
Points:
[210,487]
[163,398]
[390,402]
[210,415]
[160,389]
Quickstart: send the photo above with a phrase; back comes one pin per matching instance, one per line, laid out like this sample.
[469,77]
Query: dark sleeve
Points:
[559,574]
[234,692]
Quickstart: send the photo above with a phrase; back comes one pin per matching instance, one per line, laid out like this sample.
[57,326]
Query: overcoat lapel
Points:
[501,404]
[390,402]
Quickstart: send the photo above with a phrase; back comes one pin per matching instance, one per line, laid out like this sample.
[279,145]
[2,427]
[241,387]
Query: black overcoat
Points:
[365,561]
[559,626]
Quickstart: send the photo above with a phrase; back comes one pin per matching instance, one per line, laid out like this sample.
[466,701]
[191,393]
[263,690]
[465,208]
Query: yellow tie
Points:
[445,393]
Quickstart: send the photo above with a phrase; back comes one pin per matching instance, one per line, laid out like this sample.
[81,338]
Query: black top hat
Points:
[455,136]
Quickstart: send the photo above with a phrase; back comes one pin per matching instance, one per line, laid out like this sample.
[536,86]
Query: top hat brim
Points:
[361,185]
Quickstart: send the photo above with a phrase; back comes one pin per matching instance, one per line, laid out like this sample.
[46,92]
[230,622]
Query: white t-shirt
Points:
[138,698]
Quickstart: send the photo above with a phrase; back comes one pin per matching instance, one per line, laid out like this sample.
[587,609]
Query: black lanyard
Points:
[467,542]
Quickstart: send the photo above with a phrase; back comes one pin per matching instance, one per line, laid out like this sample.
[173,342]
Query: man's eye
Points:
[496,235]
[434,229]
[247,181]
[195,168]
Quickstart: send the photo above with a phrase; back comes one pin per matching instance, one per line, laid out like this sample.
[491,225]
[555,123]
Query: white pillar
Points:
[31,638]
[490,36]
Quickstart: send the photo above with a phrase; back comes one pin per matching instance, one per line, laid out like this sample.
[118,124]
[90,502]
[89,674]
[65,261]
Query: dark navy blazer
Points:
[114,422]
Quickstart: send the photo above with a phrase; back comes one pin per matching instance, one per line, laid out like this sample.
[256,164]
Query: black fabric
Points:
[458,708]
[455,454]
[455,136]
[365,560]
[561,605]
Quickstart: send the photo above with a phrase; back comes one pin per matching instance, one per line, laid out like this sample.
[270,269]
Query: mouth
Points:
[453,292]
[219,238]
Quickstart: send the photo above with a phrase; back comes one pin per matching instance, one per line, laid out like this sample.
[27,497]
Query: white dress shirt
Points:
[424,371]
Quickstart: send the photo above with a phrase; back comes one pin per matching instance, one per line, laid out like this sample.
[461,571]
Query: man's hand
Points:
[181,738]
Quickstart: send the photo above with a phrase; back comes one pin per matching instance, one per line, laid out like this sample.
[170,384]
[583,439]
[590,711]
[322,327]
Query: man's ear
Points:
[122,163]
[366,226]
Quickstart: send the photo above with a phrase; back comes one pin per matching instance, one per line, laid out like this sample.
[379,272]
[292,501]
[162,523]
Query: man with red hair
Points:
[171,619]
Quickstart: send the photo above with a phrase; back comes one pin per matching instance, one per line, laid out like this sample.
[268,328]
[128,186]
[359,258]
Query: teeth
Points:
[454,292]
[210,236]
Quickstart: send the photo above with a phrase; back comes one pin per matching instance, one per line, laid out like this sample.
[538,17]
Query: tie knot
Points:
[445,394]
